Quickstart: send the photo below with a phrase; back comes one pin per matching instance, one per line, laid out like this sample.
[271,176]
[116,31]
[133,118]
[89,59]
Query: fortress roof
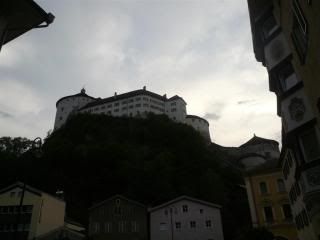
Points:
[197,117]
[258,140]
[81,94]
[128,95]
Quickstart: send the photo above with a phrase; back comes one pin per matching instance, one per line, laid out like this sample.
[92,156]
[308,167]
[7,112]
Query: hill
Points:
[150,160]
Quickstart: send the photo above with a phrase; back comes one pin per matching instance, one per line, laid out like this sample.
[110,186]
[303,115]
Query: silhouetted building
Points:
[118,218]
[20,16]
[186,218]
[136,103]
[286,40]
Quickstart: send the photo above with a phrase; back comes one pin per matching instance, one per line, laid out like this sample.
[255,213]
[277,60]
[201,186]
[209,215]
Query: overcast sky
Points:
[200,50]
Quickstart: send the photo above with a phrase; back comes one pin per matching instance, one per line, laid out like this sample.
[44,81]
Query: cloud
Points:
[246,101]
[212,116]
[5,114]
[171,46]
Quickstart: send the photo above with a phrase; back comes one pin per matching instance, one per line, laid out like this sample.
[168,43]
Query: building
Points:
[285,39]
[258,151]
[136,103]
[186,218]
[70,231]
[20,16]
[118,218]
[268,200]
[26,212]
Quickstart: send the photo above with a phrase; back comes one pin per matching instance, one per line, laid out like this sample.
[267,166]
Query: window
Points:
[287,77]
[201,211]
[116,110]
[124,102]
[173,110]
[12,194]
[192,224]
[134,226]
[309,142]
[166,212]
[281,186]
[287,211]
[299,33]
[121,226]
[208,224]
[269,27]
[138,105]
[107,227]
[60,118]
[263,188]
[62,109]
[185,208]
[178,225]
[117,210]
[163,226]
[305,218]
[268,214]
[173,104]
[116,104]
[96,227]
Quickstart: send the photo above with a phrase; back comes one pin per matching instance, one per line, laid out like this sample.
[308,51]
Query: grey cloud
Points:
[246,101]
[5,114]
[212,116]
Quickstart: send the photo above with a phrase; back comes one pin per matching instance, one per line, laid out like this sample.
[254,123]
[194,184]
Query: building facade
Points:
[269,202]
[137,103]
[186,218]
[285,39]
[38,213]
[118,218]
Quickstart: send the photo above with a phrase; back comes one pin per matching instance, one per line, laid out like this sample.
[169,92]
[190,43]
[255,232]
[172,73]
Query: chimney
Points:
[115,93]
[165,96]
[144,88]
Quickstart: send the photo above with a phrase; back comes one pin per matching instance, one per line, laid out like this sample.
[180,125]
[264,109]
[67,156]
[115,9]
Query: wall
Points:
[51,214]
[66,106]
[186,233]
[200,125]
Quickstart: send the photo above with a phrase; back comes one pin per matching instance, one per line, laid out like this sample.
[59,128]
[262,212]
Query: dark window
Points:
[60,118]
[138,105]
[310,145]
[185,208]
[263,188]
[193,224]
[287,77]
[116,110]
[178,225]
[287,211]
[305,218]
[281,186]
[268,214]
[62,109]
[208,224]
[300,31]
[116,104]
[173,110]
[269,27]
[201,211]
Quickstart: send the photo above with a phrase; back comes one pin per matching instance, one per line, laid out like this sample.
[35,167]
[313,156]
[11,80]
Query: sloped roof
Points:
[81,94]
[197,117]
[258,140]
[116,197]
[184,198]
[125,96]
[176,97]
[27,188]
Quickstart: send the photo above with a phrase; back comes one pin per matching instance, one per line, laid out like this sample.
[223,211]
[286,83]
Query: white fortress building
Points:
[131,104]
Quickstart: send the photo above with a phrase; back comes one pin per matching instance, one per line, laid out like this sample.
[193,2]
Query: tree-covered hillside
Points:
[150,160]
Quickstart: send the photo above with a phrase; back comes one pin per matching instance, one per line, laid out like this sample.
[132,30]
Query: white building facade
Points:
[136,103]
[186,218]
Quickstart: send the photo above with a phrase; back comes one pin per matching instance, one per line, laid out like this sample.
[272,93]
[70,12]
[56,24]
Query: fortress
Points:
[131,104]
